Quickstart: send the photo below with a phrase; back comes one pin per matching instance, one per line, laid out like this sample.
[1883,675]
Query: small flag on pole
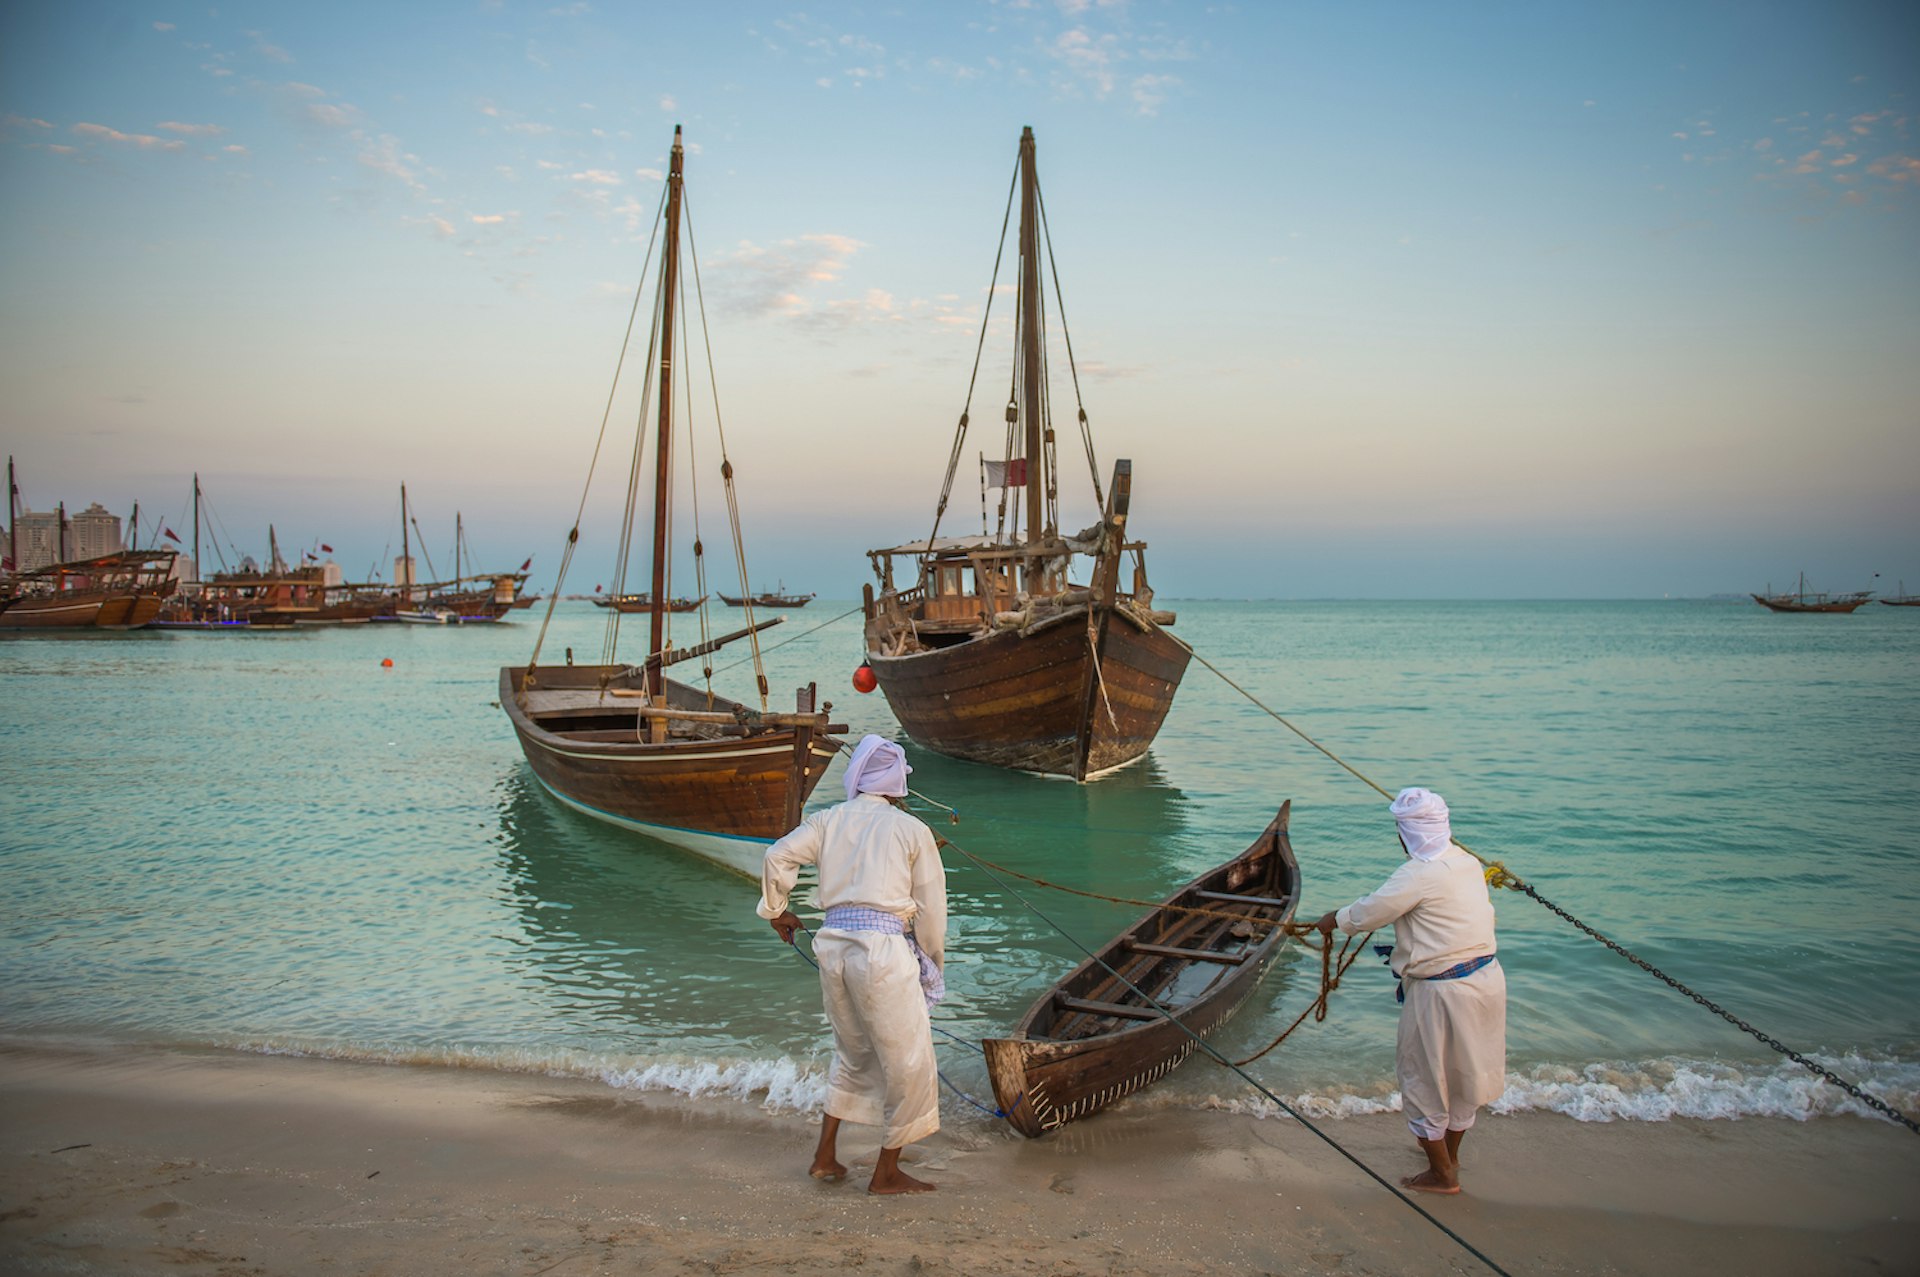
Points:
[527,564]
[167,532]
[325,548]
[1007,474]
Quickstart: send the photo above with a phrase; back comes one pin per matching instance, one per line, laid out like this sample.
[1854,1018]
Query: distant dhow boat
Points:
[985,646]
[1902,599]
[1805,600]
[623,743]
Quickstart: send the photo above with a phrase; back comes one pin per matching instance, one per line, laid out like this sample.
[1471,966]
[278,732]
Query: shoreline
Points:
[127,1160]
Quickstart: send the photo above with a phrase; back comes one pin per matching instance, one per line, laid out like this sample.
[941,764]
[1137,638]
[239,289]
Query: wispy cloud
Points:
[267,49]
[191,130]
[144,141]
[780,279]
[595,177]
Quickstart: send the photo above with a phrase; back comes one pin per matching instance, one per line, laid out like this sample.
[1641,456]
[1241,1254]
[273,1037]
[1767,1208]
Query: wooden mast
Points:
[13,519]
[406,553]
[196,528]
[1031,374]
[663,452]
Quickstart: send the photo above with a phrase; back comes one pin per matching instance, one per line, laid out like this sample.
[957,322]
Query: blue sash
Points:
[1453,972]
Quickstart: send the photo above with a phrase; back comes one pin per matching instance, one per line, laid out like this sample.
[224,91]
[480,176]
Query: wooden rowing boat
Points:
[1092,1039]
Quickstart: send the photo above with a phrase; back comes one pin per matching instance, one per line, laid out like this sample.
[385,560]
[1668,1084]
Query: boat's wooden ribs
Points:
[1175,951]
[1228,898]
[1088,1006]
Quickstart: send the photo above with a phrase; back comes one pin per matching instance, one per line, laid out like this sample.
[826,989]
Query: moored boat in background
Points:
[777,597]
[1805,600]
[985,647]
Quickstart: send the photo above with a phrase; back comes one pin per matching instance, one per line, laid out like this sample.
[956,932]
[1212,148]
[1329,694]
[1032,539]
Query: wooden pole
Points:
[663,453]
[1030,349]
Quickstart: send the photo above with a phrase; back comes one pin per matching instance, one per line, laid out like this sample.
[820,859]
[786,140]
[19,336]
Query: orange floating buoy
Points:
[387,664]
[863,679]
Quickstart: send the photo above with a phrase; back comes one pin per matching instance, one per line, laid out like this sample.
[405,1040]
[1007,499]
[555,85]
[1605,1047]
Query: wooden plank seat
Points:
[1197,955]
[1229,898]
[1118,1009]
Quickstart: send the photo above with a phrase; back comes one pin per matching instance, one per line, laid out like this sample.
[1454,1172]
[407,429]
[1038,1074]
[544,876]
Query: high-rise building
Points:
[38,537]
[93,532]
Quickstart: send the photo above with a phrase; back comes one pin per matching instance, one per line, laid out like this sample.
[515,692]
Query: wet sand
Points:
[145,1161]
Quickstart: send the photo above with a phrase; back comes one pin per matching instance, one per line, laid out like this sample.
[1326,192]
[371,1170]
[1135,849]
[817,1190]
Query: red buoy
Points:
[863,679]
[387,664]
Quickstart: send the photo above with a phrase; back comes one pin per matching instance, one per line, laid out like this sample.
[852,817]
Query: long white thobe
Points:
[870,853]
[1451,1055]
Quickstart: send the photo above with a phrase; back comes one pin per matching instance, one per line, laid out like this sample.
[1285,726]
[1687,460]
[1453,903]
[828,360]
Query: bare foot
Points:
[1430,1182]
[898,1182]
[831,1171]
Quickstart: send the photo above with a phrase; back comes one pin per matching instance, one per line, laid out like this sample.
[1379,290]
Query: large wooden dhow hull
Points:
[82,609]
[721,793]
[1092,1040]
[1058,697]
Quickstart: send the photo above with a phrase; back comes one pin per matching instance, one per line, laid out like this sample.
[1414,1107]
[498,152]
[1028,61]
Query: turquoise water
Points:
[275,843]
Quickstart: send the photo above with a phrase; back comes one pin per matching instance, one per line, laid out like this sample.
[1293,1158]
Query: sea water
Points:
[276,842]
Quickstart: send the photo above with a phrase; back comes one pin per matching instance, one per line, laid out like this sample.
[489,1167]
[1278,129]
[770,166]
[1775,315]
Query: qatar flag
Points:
[325,548]
[168,534]
[526,565]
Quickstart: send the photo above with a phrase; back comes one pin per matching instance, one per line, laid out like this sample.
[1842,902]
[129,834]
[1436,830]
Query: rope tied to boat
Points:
[1330,975]
[1499,876]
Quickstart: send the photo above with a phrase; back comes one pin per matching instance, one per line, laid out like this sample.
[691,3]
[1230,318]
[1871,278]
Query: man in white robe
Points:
[885,895]
[1452,1052]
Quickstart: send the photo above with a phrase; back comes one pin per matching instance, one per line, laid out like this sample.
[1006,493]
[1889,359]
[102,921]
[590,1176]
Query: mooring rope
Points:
[1202,1044]
[774,647]
[1498,875]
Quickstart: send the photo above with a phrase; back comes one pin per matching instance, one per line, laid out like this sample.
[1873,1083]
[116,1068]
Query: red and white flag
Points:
[1007,474]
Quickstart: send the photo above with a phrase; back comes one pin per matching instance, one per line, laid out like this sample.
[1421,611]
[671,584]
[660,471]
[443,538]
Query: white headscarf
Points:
[879,767]
[1424,826]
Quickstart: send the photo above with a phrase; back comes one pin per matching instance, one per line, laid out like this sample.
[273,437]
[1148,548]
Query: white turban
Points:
[879,767]
[1424,827]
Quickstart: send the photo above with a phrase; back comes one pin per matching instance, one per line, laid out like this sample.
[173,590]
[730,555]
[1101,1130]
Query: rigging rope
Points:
[1498,875]
[960,432]
[726,477]
[606,415]
[1086,428]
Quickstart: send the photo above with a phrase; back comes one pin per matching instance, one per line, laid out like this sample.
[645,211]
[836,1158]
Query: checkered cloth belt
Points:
[860,918]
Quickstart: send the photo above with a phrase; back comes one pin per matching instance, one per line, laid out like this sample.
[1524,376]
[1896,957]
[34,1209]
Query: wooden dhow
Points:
[767,598]
[1804,600]
[987,647]
[1130,1014]
[623,743]
[123,590]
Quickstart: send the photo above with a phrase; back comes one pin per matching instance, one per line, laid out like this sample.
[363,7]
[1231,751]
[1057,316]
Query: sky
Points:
[1384,300]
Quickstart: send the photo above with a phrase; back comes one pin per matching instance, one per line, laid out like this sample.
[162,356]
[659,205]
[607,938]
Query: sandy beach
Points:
[143,1160]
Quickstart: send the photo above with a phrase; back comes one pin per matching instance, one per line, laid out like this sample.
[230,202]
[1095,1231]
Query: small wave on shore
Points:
[1655,1091]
